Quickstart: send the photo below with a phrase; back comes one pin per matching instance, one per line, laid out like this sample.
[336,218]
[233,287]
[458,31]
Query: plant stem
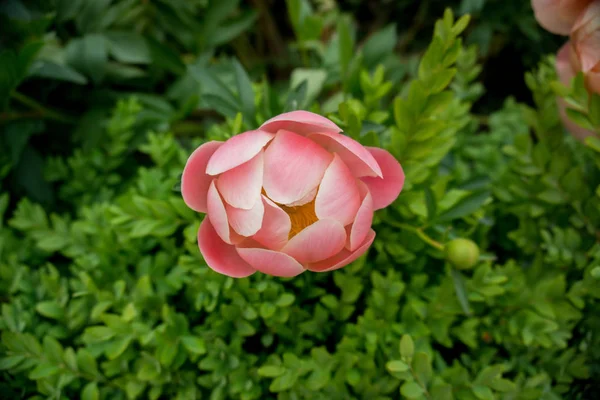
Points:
[41,109]
[420,233]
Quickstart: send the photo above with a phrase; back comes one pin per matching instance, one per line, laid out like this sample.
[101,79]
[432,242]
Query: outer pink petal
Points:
[317,242]
[354,154]
[558,16]
[294,166]
[246,222]
[237,150]
[386,190]
[195,181]
[217,214]
[306,199]
[220,256]
[361,226]
[275,228]
[338,197]
[344,257]
[241,186]
[564,67]
[271,262]
[301,122]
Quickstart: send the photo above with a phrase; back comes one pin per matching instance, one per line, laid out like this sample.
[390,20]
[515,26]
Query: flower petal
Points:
[271,262]
[317,242]
[195,181]
[220,256]
[301,122]
[241,186]
[217,213]
[558,16]
[354,154]
[338,196]
[344,257]
[361,226]
[237,150]
[386,190]
[275,228]
[294,166]
[246,222]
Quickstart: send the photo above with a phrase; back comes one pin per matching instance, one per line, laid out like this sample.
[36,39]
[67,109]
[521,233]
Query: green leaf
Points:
[461,291]
[407,347]
[379,46]
[285,300]
[90,392]
[580,118]
[51,70]
[10,361]
[422,367]
[396,366]
[43,370]
[283,382]
[411,390]
[128,47]
[271,371]
[314,80]
[245,91]
[483,392]
[89,55]
[346,43]
[465,207]
[194,344]
[50,309]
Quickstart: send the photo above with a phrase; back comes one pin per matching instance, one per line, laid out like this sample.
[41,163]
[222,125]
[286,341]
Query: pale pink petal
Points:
[275,228]
[564,67]
[362,223]
[317,242]
[217,214]
[338,196]
[241,186]
[354,154]
[301,122]
[558,16]
[306,199]
[294,166]
[246,222]
[194,180]
[237,150]
[344,257]
[593,80]
[220,256]
[386,190]
[271,262]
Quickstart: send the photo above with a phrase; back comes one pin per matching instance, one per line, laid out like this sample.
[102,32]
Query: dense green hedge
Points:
[105,294]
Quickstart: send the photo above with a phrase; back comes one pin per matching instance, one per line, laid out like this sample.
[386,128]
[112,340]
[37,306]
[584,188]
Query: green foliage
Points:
[104,292]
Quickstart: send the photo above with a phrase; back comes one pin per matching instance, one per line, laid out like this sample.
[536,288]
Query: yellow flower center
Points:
[300,216]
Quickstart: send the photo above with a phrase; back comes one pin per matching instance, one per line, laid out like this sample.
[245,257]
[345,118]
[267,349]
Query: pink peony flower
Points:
[558,16]
[565,61]
[585,37]
[291,196]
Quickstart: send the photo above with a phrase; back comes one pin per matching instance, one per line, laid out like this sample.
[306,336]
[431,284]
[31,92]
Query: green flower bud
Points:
[462,253]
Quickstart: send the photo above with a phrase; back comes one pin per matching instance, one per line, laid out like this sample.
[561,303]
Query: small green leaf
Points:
[194,344]
[43,370]
[465,207]
[271,371]
[285,300]
[483,392]
[411,390]
[407,347]
[50,309]
[422,367]
[90,392]
[396,366]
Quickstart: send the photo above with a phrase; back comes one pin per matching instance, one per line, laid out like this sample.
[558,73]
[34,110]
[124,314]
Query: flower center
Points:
[300,216]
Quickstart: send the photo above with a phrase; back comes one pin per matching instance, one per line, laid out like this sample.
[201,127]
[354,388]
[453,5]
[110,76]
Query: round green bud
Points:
[462,253]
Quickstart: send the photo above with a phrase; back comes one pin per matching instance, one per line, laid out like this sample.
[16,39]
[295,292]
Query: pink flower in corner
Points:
[291,196]
[585,38]
[558,16]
